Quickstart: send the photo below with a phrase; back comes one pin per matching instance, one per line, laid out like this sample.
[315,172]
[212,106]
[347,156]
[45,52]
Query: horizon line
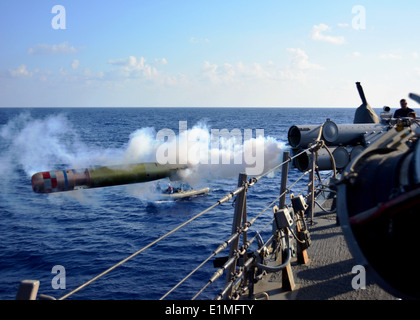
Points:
[196,107]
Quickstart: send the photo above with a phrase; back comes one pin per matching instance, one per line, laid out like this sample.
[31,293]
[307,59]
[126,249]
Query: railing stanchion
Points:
[312,188]
[284,176]
[288,282]
[240,207]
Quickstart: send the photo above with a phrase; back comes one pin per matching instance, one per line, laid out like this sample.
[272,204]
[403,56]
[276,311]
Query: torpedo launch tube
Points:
[97,177]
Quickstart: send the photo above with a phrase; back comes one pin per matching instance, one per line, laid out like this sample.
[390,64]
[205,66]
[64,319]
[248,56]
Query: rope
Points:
[280,267]
[220,271]
[189,275]
[221,247]
[250,223]
[322,208]
[141,250]
[224,199]
[319,144]
[284,162]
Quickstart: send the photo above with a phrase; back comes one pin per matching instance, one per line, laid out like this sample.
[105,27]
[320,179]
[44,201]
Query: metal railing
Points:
[242,268]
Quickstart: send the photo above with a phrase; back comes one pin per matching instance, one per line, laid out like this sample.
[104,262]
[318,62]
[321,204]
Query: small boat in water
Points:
[180,194]
[179,190]
[368,200]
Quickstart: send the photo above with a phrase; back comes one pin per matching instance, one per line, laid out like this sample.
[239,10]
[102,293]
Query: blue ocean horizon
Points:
[88,231]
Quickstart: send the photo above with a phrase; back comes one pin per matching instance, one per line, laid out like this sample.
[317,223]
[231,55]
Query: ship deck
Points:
[328,275]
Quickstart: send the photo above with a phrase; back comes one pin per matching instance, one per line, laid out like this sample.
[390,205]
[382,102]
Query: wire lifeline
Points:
[246,265]
[245,186]
[236,280]
[251,223]
[296,237]
[221,247]
[238,275]
[218,273]
[222,200]
[284,162]
[221,270]
[280,267]
[224,246]
[138,252]
[186,277]
[319,144]
[328,212]
[259,265]
[276,199]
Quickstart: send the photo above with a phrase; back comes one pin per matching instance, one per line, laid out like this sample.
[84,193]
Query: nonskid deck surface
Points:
[328,275]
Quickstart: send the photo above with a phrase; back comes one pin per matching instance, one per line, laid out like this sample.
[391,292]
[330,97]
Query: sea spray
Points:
[41,144]
[53,143]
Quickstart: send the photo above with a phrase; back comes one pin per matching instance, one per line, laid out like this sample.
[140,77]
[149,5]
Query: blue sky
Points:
[267,53]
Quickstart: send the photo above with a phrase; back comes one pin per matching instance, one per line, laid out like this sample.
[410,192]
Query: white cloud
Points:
[75,64]
[20,72]
[199,40]
[46,49]
[238,73]
[92,75]
[388,56]
[317,34]
[300,60]
[357,54]
[133,67]
[223,74]
[233,83]
[119,62]
[241,73]
[162,61]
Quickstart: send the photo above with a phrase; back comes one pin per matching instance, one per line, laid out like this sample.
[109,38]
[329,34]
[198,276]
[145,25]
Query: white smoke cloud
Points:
[318,35]
[52,143]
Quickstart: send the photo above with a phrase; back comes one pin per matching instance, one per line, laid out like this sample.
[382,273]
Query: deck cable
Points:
[142,249]
[251,241]
[224,246]
[284,162]
[219,202]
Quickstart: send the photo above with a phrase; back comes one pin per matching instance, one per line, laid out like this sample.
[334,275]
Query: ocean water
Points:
[88,231]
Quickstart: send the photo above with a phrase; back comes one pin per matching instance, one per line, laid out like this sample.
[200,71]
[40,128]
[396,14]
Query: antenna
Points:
[415,97]
[361,93]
